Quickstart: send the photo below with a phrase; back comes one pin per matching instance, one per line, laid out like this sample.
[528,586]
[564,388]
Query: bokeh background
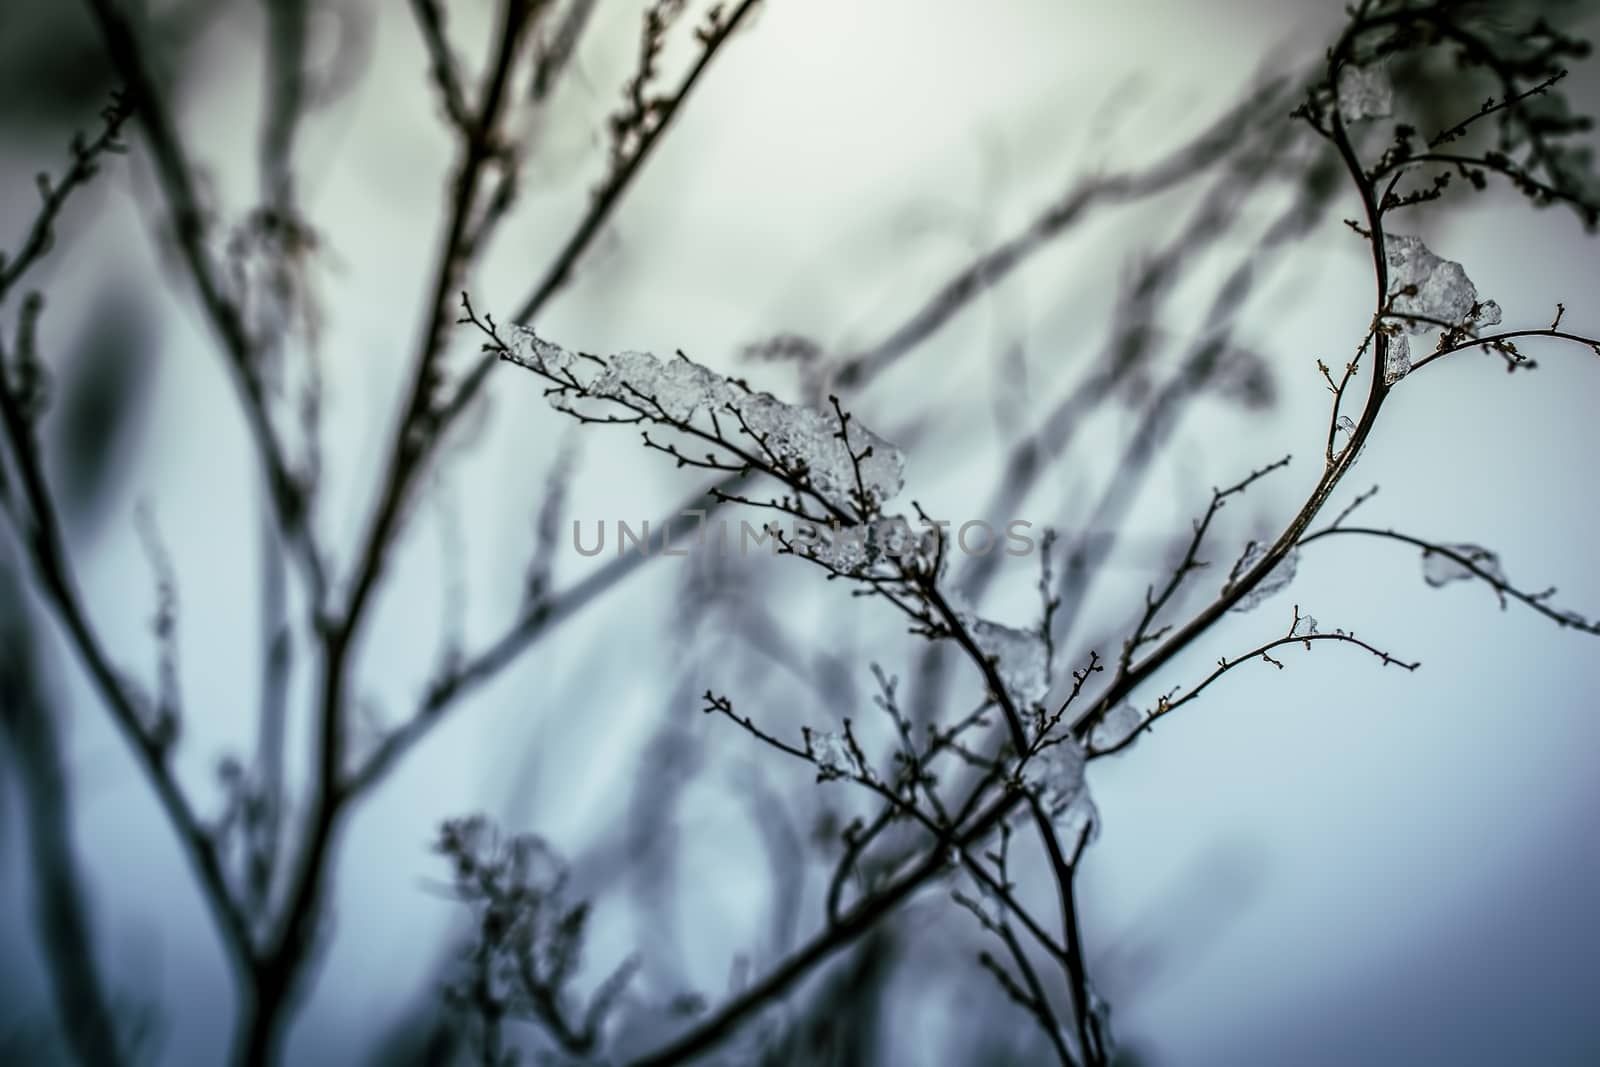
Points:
[1332,864]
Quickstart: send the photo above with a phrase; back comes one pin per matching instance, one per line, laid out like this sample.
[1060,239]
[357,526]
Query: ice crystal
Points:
[1443,294]
[1439,569]
[831,752]
[676,389]
[1273,583]
[1304,626]
[1365,93]
[1397,363]
[803,443]
[531,349]
[806,442]
[1020,658]
[1119,724]
[1078,821]
[1055,776]
[1488,314]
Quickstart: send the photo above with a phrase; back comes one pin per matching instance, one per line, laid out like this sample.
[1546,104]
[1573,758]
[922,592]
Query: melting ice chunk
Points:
[1119,724]
[1439,569]
[1055,776]
[1020,657]
[807,440]
[1275,581]
[534,350]
[1443,292]
[1397,363]
[831,751]
[1365,93]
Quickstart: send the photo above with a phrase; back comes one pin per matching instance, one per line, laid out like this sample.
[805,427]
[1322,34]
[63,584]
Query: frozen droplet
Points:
[1055,776]
[1304,626]
[1078,821]
[1347,425]
[1443,296]
[1273,583]
[831,752]
[1365,92]
[1439,569]
[1119,724]
[1020,658]
[1489,314]
[1397,361]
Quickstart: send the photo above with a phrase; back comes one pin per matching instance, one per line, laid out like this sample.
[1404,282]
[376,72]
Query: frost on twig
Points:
[1055,776]
[1021,658]
[850,468]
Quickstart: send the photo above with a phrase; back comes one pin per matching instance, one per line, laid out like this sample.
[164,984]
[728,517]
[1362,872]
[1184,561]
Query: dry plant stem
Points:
[85,161]
[947,619]
[286,99]
[1134,674]
[274,968]
[939,829]
[1335,471]
[284,959]
[430,21]
[1190,562]
[1539,602]
[288,493]
[540,617]
[1488,341]
[644,408]
[61,910]
[1262,652]
[855,922]
[46,547]
[1037,1000]
[601,207]
[994,266]
[1128,679]
[1061,868]
[608,196]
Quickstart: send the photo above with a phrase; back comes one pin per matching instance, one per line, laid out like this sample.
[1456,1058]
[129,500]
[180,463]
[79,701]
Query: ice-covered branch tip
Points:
[1020,658]
[846,466]
[1429,292]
